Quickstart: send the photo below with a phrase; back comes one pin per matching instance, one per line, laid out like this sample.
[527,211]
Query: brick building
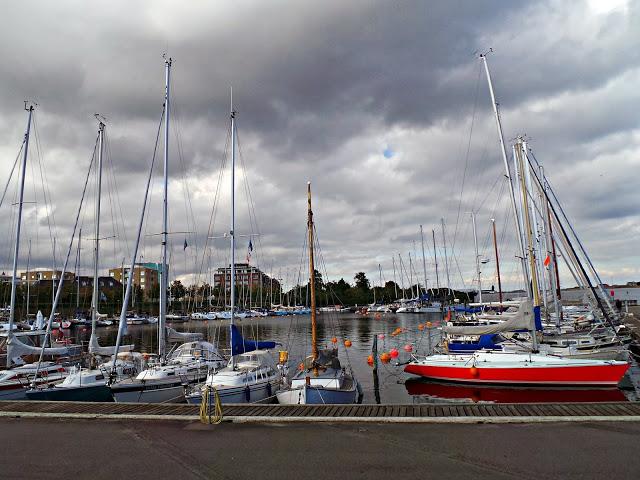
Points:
[245,275]
[145,275]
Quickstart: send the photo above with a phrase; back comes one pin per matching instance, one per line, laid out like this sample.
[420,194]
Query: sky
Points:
[381,105]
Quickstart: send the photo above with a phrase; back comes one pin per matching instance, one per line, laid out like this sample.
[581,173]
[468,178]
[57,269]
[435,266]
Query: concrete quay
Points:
[50,448]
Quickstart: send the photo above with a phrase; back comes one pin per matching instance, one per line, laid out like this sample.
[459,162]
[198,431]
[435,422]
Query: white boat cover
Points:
[175,336]
[521,320]
[15,349]
[96,349]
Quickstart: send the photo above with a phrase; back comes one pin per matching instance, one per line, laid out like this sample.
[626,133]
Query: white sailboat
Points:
[16,348]
[251,375]
[163,381]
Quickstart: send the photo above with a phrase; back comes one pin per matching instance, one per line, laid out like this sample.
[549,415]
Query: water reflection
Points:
[430,391]
[386,384]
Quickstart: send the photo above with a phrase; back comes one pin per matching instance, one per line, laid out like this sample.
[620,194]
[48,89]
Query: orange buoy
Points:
[385,357]
[393,353]
[420,327]
[334,340]
[370,359]
[347,343]
[474,372]
[408,348]
[429,324]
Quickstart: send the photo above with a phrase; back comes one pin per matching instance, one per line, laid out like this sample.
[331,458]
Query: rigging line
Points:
[216,199]
[115,232]
[250,201]
[466,161]
[114,202]
[111,170]
[59,288]
[186,192]
[15,162]
[45,188]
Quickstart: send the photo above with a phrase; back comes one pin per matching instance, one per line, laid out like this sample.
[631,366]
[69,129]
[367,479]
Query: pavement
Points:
[48,448]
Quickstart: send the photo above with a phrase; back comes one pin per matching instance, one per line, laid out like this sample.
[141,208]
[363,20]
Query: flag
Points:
[185,245]
[547,261]
[249,250]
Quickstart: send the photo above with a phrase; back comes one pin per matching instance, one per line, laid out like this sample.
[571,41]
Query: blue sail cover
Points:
[241,345]
[537,318]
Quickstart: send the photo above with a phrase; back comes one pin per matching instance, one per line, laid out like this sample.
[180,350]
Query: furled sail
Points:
[16,349]
[175,336]
[96,349]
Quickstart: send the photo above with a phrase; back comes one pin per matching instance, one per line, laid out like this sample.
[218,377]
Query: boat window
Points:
[99,377]
[171,374]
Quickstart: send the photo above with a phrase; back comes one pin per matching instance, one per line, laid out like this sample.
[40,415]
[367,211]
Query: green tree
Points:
[362,282]
[177,290]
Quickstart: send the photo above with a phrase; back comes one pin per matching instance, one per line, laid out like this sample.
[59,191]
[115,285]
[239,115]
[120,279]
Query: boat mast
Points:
[475,242]
[495,248]
[527,221]
[16,249]
[96,251]
[232,234]
[78,272]
[534,227]
[424,261]
[381,284]
[435,259]
[554,278]
[523,262]
[410,274]
[164,273]
[395,283]
[28,279]
[446,258]
[312,280]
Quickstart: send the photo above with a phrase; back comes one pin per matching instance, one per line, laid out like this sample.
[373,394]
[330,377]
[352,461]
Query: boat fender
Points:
[268,389]
[247,393]
[474,372]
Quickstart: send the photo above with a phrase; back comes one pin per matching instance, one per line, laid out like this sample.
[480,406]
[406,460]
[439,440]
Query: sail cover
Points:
[523,319]
[241,345]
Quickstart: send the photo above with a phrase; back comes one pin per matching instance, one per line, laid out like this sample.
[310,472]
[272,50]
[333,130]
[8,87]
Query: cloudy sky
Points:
[383,106]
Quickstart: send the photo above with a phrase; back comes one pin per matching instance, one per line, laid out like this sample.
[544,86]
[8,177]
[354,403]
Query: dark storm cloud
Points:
[322,90]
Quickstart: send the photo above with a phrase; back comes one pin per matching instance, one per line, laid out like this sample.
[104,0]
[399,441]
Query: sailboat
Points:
[163,380]
[321,378]
[251,375]
[90,384]
[517,367]
[15,347]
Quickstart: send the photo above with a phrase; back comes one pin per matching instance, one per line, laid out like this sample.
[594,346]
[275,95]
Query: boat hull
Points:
[604,375]
[148,392]
[256,393]
[317,395]
[90,393]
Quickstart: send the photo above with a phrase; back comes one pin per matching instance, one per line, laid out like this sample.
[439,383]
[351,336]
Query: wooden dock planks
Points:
[468,410]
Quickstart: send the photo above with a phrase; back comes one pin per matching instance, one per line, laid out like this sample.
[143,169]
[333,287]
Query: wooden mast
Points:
[312,279]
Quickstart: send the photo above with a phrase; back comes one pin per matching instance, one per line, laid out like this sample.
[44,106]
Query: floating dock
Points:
[424,413]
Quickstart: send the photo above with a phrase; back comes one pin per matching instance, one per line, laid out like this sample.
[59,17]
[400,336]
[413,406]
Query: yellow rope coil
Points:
[206,416]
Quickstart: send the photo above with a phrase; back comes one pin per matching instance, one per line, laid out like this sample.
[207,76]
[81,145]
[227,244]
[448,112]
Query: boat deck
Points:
[269,412]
